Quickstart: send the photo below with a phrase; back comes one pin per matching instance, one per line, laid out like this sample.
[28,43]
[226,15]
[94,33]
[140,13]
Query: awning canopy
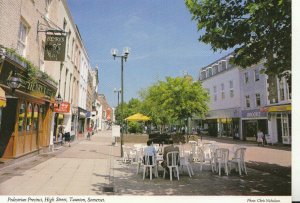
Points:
[2,98]
[138,117]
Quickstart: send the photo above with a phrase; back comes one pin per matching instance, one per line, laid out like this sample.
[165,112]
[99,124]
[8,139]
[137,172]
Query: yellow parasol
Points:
[137,117]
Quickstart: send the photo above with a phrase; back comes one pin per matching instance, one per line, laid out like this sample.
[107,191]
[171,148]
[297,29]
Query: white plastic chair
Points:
[185,161]
[239,161]
[221,159]
[203,159]
[136,156]
[126,155]
[150,165]
[172,162]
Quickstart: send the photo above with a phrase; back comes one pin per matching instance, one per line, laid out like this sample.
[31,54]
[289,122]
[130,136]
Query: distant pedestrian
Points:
[90,130]
[260,138]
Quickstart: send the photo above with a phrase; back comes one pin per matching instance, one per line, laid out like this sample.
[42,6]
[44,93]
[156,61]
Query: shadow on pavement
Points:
[127,182]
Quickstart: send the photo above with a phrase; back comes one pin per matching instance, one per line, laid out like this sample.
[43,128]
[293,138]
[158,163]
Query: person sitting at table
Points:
[167,149]
[149,151]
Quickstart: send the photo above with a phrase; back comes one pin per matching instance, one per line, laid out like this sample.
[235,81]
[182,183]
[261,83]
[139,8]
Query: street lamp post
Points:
[117,91]
[123,57]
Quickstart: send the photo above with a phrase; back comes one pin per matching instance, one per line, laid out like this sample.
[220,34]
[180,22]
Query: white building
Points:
[222,81]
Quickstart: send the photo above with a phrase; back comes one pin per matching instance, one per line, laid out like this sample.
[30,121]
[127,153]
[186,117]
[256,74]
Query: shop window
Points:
[21,117]
[35,117]
[247,101]
[41,116]
[29,117]
[285,125]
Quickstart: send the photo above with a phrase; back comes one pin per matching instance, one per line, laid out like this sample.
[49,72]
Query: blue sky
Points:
[162,37]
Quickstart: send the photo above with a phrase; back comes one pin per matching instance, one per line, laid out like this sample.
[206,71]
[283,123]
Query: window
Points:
[215,97]
[246,77]
[209,72]
[203,75]
[231,88]
[231,93]
[29,117]
[223,93]
[35,117]
[222,65]
[21,48]
[231,84]
[257,100]
[256,74]
[21,117]
[229,64]
[215,69]
[247,101]
[281,89]
[289,87]
[215,89]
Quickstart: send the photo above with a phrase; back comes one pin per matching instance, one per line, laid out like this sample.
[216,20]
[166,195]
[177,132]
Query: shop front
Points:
[26,114]
[280,123]
[82,115]
[252,121]
[224,122]
[62,120]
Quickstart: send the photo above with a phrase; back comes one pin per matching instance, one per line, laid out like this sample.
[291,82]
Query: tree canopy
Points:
[130,108]
[258,30]
[174,99]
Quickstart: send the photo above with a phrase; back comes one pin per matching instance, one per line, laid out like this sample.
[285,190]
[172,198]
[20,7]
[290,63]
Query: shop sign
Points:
[64,107]
[279,108]
[55,46]
[108,117]
[39,87]
[256,113]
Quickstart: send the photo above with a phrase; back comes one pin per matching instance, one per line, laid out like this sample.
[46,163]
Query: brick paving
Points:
[94,168]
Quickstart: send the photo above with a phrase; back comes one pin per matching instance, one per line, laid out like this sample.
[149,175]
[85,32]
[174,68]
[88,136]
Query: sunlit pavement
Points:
[94,167]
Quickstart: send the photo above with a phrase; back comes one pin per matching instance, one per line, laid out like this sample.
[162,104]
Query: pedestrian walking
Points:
[90,130]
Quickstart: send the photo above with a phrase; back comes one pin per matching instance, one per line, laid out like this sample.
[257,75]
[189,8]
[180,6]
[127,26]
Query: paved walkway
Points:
[93,167]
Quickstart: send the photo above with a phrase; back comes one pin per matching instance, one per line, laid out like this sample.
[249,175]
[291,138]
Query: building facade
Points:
[31,114]
[222,82]
[27,114]
[243,101]
[253,101]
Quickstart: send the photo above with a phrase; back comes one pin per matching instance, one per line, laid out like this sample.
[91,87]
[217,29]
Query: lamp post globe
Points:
[123,57]
[14,82]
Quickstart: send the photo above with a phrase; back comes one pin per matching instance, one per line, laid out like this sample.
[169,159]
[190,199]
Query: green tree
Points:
[258,30]
[130,108]
[174,100]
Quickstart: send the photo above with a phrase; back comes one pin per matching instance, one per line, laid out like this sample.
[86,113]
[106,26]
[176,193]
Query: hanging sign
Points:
[55,46]
[64,107]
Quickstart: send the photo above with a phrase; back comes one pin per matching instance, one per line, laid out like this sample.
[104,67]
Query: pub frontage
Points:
[26,112]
